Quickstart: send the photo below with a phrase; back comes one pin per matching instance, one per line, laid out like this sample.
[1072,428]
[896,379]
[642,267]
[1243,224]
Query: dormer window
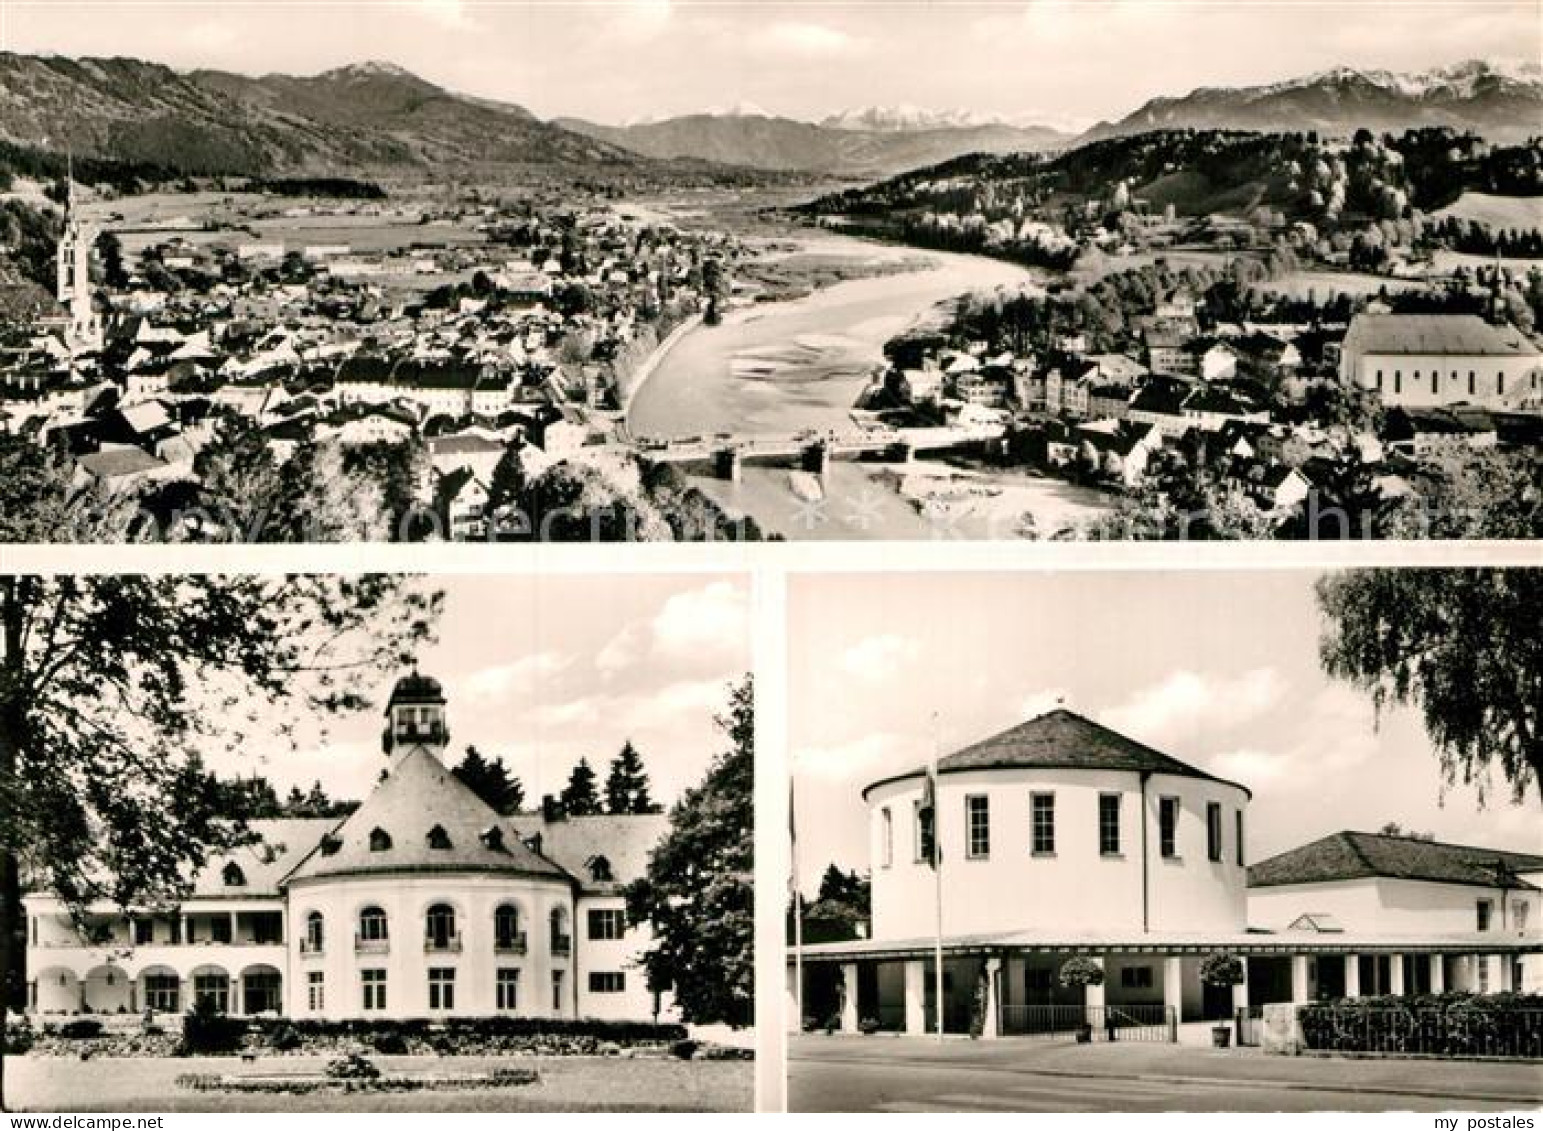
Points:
[234,876]
[330,845]
[380,840]
[493,838]
[438,837]
[600,870]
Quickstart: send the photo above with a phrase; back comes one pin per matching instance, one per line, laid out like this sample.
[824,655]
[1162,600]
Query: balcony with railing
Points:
[510,944]
[363,945]
[562,945]
[405,733]
[311,948]
[443,944]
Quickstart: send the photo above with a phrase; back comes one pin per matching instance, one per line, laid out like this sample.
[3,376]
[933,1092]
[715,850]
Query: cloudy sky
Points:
[1063,62]
[1217,668]
[541,670]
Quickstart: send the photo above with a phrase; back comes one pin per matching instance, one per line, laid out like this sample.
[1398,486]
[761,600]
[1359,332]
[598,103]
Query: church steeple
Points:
[73,269]
[415,716]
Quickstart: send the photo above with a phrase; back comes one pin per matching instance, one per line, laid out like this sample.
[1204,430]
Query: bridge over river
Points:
[725,456]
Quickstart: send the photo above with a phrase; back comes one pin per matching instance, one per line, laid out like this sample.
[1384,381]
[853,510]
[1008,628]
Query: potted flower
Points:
[1222,969]
[1079,970]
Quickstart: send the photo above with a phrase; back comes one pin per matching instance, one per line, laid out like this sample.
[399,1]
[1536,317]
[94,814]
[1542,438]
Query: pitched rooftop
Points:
[1062,739]
[1352,856]
[1439,334]
[418,796]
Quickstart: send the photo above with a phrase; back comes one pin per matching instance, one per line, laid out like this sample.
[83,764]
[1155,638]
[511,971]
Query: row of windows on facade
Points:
[1042,828]
[442,931]
[442,980]
[380,841]
[1484,913]
[1435,381]
[163,991]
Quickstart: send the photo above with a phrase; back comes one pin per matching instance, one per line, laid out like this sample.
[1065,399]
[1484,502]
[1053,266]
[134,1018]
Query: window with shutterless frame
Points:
[508,988]
[373,984]
[1168,827]
[1108,824]
[1042,823]
[977,816]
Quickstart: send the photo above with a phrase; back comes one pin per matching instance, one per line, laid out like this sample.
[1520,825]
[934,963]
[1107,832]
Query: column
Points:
[915,997]
[1240,992]
[1396,975]
[1352,975]
[1093,1002]
[992,1027]
[1438,974]
[849,997]
[1500,974]
[1173,986]
[1301,984]
[794,1023]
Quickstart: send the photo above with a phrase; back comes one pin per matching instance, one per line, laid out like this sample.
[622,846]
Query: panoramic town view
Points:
[347,286]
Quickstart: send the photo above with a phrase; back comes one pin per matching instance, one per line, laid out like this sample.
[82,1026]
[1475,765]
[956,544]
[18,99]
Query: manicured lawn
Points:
[566,1084]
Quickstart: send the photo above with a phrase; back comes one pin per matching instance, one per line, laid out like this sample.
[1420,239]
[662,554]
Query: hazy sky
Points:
[1217,668]
[542,670]
[1065,62]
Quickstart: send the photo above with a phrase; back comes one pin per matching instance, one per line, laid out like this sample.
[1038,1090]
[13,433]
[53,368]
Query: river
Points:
[782,367]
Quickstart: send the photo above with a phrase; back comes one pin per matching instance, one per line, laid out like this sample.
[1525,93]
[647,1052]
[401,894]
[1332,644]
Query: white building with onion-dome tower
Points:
[423,902]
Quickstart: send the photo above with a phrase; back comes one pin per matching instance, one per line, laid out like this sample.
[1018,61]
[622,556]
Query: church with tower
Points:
[422,903]
[83,325]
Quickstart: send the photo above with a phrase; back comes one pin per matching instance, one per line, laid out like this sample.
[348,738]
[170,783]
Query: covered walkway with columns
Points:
[1010,985]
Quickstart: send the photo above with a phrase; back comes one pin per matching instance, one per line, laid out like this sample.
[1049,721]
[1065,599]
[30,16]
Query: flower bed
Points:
[304,1085]
[266,1037]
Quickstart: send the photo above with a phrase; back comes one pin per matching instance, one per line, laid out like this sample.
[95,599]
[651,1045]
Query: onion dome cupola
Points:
[415,715]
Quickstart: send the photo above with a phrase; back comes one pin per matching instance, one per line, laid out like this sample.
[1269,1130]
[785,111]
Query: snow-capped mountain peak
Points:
[1457,80]
[738,110]
[904,118]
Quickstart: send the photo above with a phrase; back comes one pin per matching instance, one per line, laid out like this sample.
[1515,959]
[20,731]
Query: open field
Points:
[1322,284]
[1445,262]
[566,1084]
[1497,211]
[1094,265]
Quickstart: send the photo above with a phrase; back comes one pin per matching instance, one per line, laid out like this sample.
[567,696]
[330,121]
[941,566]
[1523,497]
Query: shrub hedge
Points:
[616,1032]
[82,1028]
[1506,1025]
[207,1033]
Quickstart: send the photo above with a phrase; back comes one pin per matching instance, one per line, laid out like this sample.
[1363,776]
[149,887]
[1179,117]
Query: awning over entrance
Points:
[1171,943]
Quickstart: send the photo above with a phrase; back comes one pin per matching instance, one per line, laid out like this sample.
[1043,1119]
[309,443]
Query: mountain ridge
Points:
[368,115]
[1503,102]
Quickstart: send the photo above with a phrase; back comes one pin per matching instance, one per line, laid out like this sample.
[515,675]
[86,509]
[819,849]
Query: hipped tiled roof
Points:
[1062,739]
[1353,855]
[419,794]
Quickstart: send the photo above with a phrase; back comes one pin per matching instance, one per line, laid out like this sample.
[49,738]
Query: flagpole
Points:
[937,881]
[798,916]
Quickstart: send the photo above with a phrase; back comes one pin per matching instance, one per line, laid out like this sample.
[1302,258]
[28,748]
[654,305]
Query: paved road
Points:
[878,1074]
